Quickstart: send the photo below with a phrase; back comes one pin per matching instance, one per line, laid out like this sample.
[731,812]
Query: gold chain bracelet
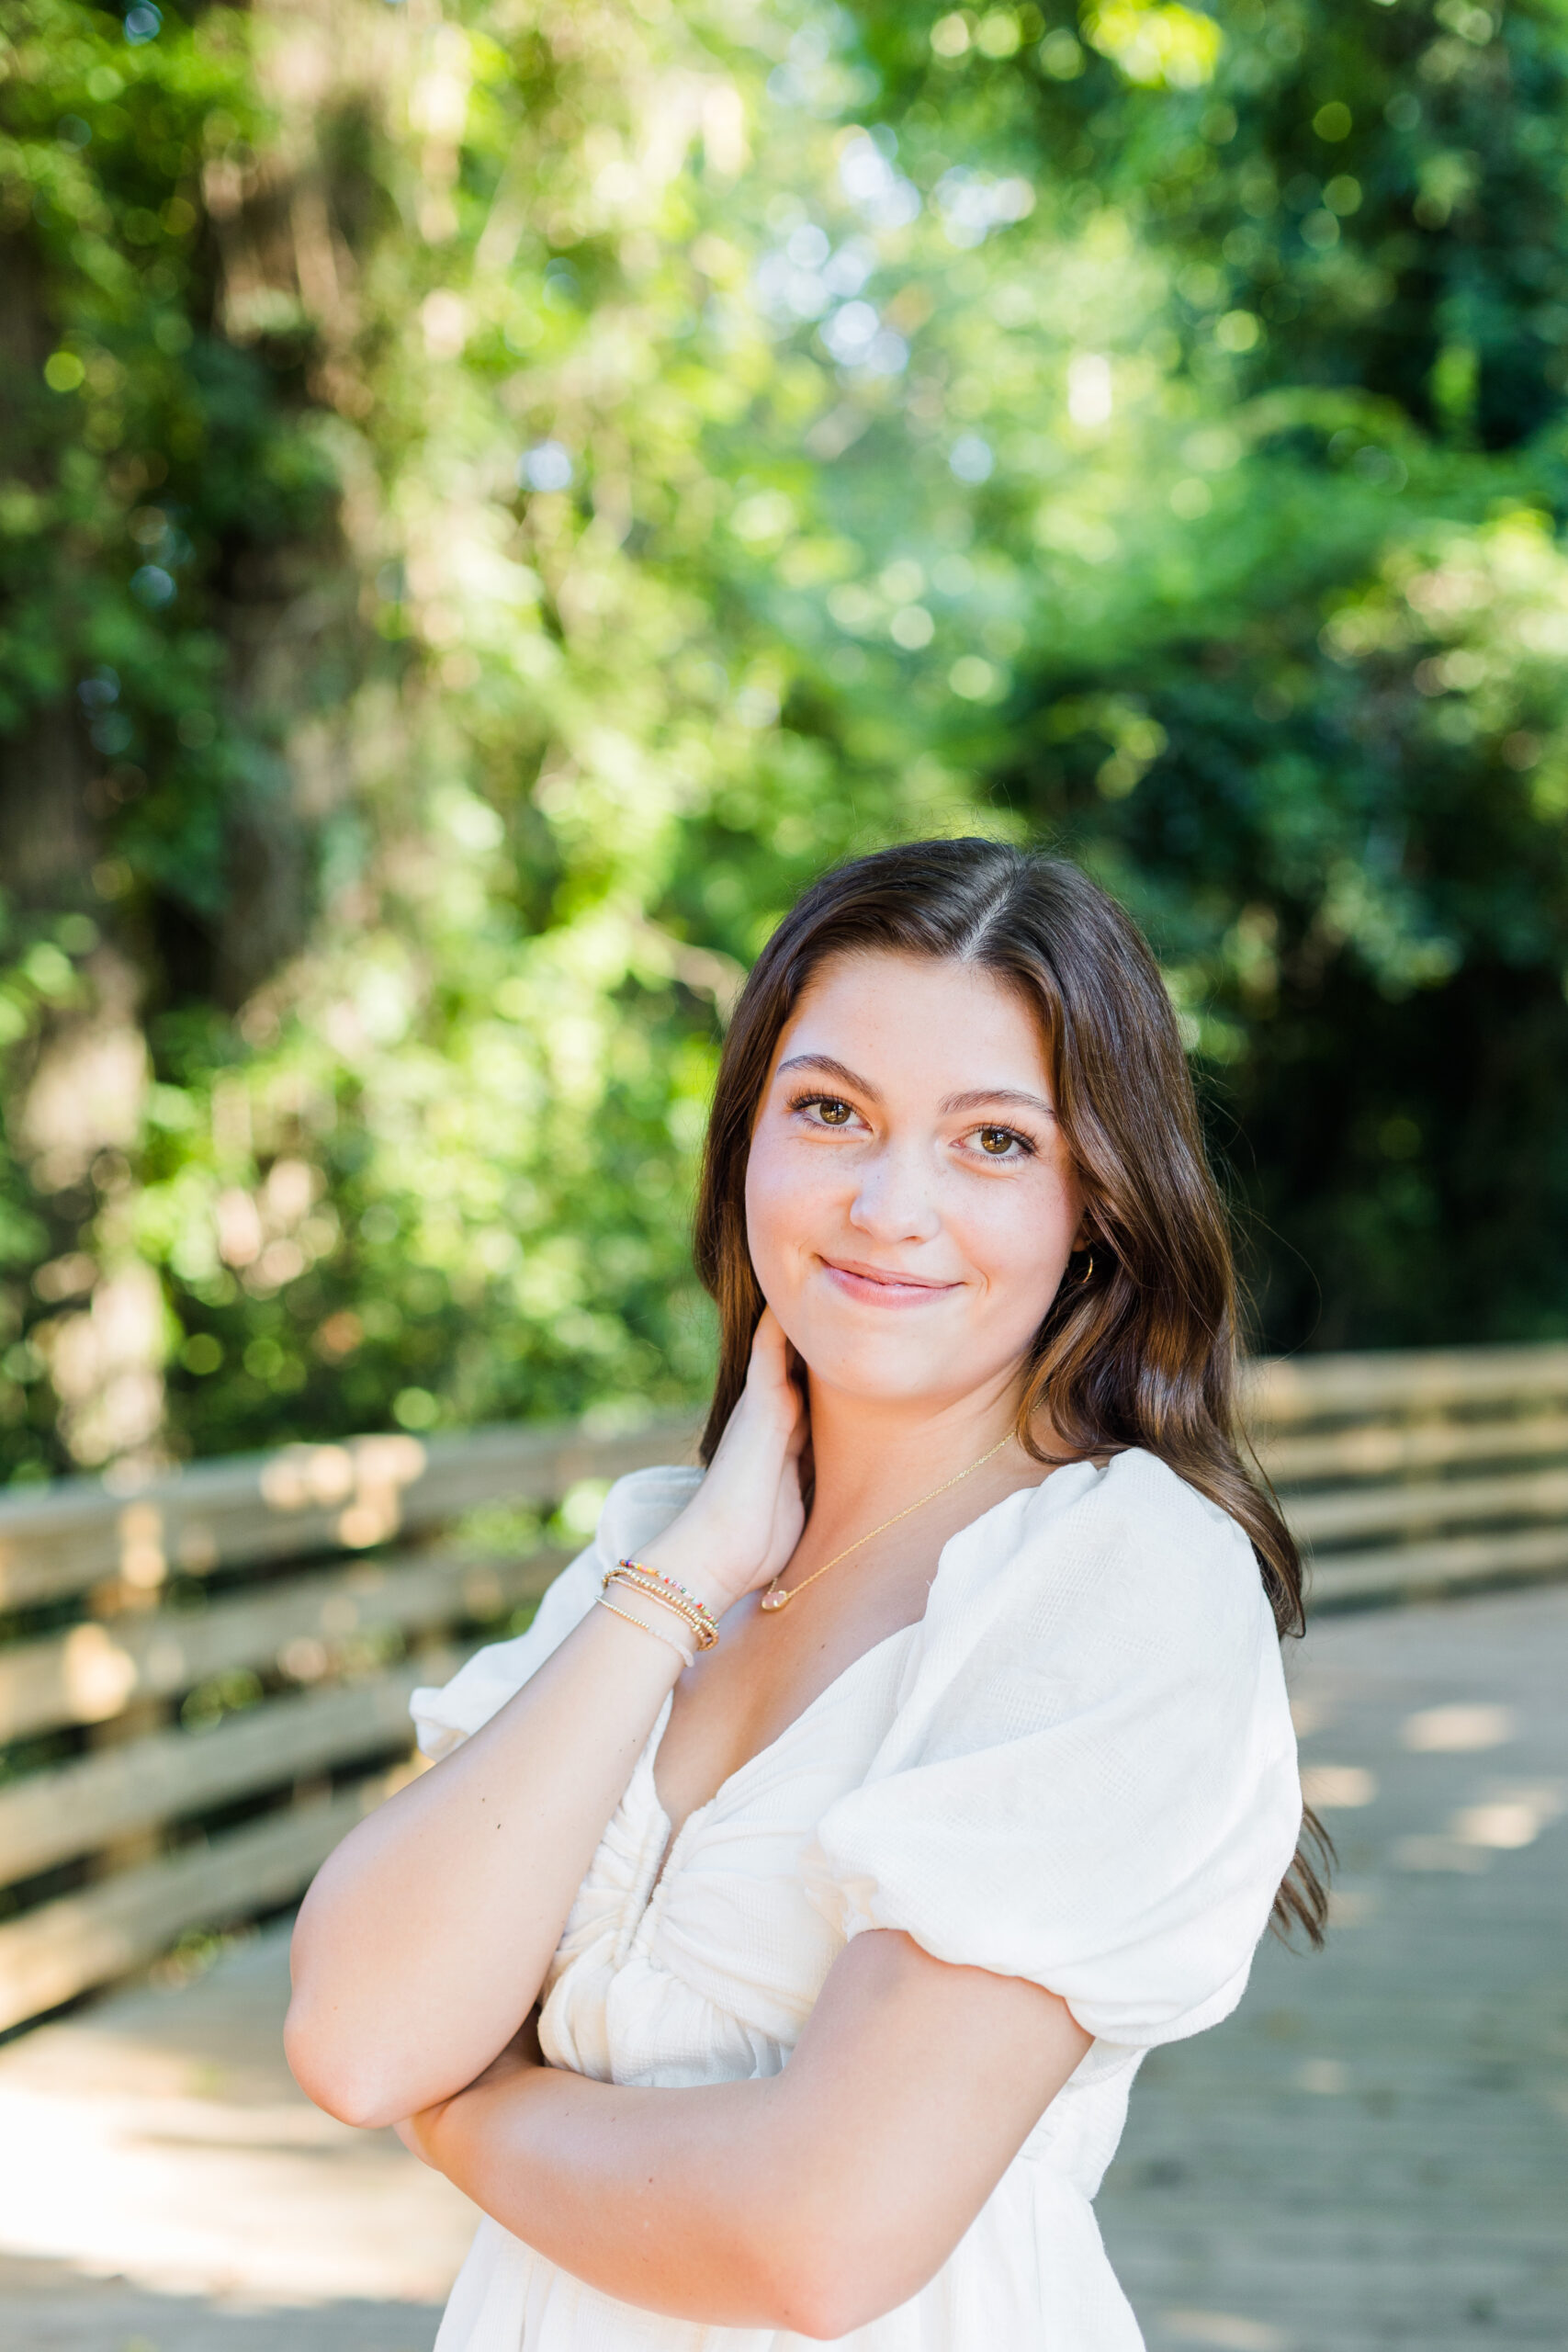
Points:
[688,1658]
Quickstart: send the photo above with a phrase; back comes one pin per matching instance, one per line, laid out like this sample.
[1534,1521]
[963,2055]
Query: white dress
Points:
[1079,1767]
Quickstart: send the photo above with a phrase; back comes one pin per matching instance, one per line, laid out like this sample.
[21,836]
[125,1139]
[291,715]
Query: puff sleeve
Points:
[637,1508]
[1092,1782]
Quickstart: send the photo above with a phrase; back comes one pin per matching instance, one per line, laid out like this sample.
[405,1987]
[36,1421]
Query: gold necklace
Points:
[776,1598]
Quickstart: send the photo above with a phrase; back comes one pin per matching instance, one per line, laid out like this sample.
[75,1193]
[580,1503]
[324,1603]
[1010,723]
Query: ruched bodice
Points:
[705,1969]
[1077,1653]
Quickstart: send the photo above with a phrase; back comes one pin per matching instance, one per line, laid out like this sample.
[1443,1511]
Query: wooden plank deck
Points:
[1374,2153]
[1372,2156]
[165,2187]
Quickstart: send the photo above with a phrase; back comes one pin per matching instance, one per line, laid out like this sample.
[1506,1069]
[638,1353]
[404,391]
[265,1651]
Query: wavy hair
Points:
[1139,1347]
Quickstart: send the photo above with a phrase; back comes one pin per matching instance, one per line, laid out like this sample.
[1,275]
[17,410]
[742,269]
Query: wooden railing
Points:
[204,1683]
[1410,1476]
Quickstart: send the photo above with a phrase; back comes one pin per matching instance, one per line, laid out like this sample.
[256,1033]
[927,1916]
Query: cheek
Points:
[784,1194]
[1019,1237]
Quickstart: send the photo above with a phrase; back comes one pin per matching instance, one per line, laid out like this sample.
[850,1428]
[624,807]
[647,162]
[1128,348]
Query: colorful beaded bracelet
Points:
[678,1592]
[669,1596]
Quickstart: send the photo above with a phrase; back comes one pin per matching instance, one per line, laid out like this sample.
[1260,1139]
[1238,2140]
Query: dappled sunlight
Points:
[1333,1787]
[1507,1817]
[1226,2332]
[158,2138]
[1460,1729]
[1510,1817]
[1371,2150]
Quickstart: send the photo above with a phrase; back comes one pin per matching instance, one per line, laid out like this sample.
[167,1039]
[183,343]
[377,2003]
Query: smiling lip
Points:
[881,1286]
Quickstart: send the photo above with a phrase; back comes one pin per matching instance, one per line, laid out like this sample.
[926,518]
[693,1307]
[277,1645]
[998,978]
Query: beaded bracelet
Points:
[641,1568]
[659,1587]
[701,1634]
[682,1652]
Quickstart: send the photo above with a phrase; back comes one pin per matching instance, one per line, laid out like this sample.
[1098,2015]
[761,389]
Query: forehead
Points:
[956,1021]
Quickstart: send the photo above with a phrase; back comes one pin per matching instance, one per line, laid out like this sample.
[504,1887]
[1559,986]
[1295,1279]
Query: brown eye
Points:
[997,1141]
[834,1114]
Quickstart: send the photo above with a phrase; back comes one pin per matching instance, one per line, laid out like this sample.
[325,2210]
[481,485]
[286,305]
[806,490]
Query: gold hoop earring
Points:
[1083,1278]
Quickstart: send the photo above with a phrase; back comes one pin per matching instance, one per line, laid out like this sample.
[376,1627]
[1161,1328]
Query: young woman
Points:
[791,1984]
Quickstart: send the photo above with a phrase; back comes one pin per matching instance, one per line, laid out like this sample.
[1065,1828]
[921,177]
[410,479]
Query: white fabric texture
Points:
[1079,1767]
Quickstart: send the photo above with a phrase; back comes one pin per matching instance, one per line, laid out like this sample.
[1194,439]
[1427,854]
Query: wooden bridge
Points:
[204,1680]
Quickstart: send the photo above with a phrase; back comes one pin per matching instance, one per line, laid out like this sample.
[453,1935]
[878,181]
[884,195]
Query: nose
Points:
[894,1197]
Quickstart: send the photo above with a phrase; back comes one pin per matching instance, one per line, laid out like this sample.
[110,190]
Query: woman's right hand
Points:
[397,2000]
[743,1523]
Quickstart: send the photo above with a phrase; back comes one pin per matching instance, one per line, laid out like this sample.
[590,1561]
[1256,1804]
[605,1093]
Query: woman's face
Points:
[910,1204]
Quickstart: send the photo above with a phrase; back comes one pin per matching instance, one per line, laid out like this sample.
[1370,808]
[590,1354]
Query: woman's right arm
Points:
[423,1943]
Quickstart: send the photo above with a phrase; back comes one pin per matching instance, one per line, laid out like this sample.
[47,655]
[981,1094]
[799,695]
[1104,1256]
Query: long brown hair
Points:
[1139,1346]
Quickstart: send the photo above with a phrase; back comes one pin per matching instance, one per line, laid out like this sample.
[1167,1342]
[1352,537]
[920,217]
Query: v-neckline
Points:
[655,1738]
[672,1837]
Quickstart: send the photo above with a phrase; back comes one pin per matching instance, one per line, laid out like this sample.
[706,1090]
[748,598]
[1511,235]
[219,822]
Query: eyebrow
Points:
[981,1096]
[974,1100]
[830,1069]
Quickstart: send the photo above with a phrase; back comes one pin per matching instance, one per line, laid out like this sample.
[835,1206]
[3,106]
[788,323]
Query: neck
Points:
[872,1456]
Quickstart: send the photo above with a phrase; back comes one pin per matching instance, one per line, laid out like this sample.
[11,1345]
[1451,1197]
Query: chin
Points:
[886,1367]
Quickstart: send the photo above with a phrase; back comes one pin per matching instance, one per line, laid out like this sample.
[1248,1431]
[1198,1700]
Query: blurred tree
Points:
[1335,785]
[493,502]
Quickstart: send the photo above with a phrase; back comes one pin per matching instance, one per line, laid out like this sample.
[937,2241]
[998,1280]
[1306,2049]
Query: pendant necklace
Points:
[776,1596]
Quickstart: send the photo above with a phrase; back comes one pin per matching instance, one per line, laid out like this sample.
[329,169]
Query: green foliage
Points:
[491,505]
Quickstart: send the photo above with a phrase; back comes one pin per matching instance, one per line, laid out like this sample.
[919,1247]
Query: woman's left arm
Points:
[814,2200]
